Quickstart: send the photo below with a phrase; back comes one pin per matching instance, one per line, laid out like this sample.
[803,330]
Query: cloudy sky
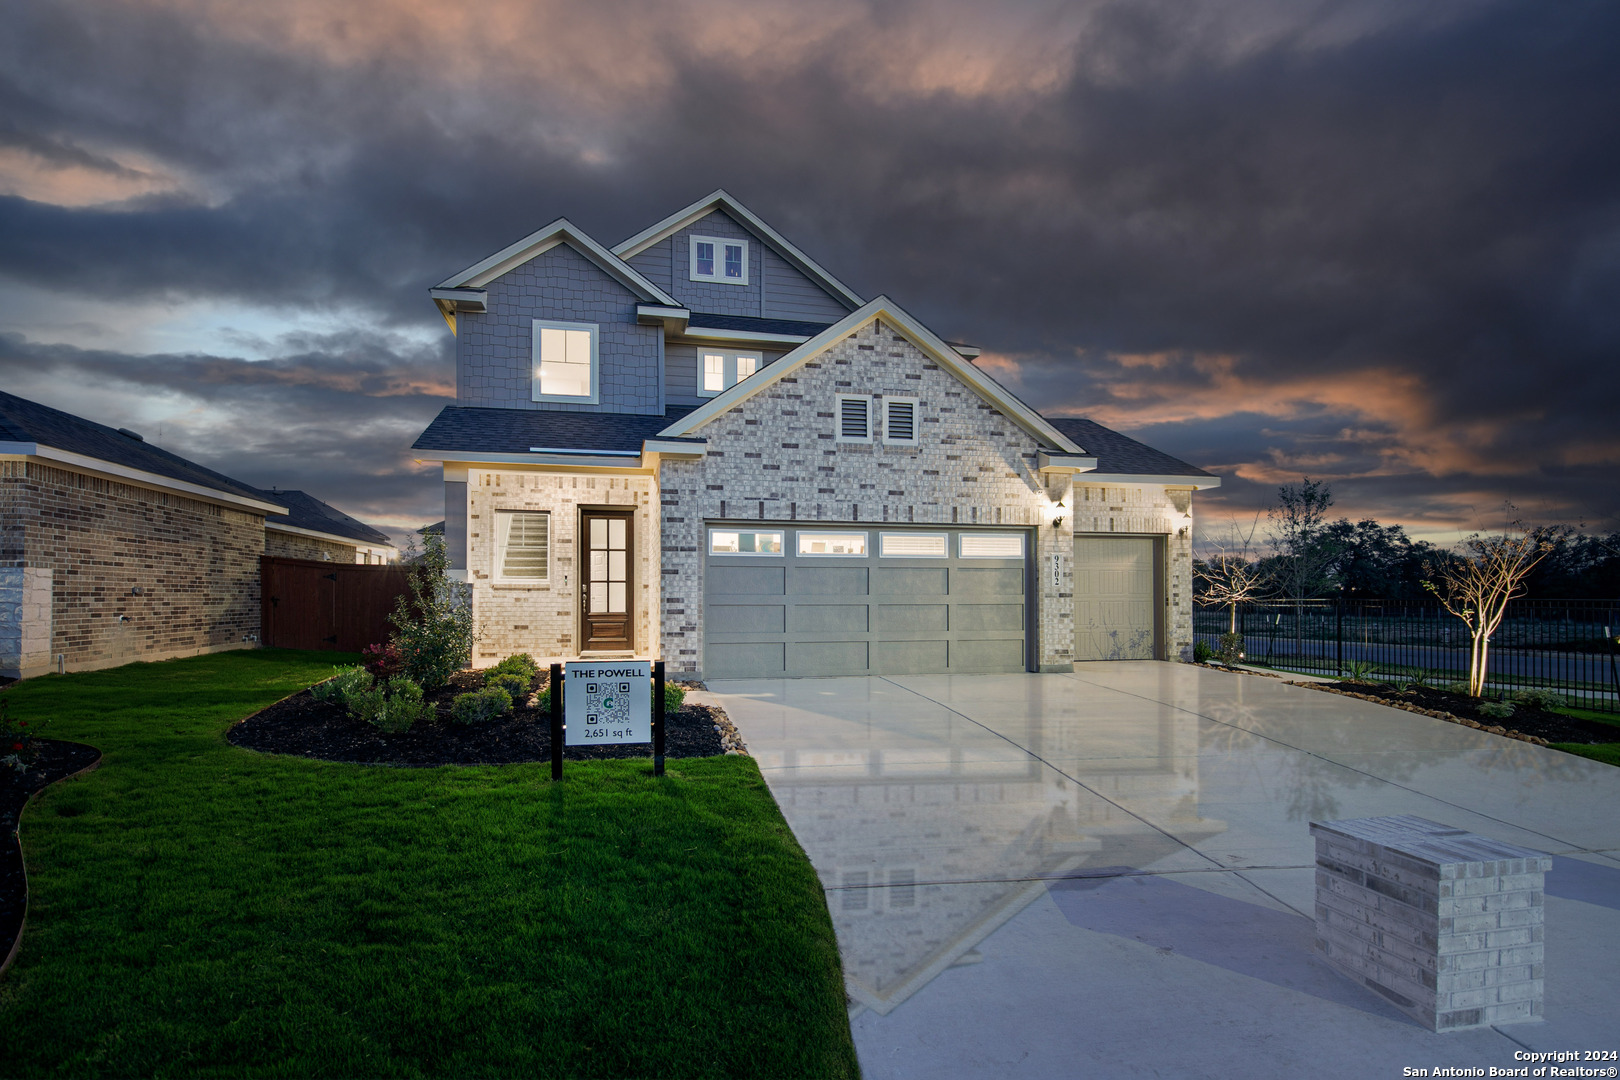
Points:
[1371,241]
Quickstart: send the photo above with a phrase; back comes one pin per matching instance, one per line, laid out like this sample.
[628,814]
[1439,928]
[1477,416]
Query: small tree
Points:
[433,626]
[1304,548]
[1232,576]
[1477,584]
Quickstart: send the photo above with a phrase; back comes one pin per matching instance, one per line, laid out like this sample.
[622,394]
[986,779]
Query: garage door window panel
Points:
[913,546]
[745,542]
[991,546]
[833,544]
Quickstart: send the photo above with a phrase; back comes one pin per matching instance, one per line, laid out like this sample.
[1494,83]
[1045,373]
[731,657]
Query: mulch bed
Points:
[57,759]
[1528,723]
[303,727]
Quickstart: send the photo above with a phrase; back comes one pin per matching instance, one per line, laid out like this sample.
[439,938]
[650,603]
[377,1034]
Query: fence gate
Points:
[309,604]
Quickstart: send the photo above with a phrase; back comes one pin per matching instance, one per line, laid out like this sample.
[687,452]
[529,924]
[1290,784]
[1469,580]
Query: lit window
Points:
[714,258]
[724,370]
[909,545]
[854,418]
[522,545]
[900,421]
[830,543]
[992,546]
[740,542]
[564,361]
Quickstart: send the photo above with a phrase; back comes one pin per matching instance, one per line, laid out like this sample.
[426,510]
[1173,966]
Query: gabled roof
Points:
[1121,455]
[538,243]
[925,339]
[720,199]
[471,430]
[305,511]
[32,428]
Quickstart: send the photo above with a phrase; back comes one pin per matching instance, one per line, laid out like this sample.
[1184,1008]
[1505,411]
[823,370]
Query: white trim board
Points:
[925,339]
[538,243]
[138,476]
[720,199]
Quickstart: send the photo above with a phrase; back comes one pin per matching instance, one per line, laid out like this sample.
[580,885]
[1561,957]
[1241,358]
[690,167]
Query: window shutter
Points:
[900,423]
[853,418]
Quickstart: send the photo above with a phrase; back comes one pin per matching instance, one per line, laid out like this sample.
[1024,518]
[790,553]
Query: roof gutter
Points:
[139,476]
[346,541]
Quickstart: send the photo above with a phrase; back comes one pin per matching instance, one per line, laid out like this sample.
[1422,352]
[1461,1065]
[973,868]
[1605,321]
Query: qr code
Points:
[607,703]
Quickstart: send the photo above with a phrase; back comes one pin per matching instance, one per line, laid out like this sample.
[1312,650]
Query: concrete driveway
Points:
[1109,873]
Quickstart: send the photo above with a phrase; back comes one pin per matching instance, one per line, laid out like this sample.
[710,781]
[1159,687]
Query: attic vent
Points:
[131,434]
[900,421]
[854,418]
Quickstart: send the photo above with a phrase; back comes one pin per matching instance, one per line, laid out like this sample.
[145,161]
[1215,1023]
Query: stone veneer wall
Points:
[774,458]
[195,563]
[292,546]
[543,620]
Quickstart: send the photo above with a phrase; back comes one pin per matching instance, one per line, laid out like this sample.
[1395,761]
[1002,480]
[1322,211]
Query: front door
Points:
[605,592]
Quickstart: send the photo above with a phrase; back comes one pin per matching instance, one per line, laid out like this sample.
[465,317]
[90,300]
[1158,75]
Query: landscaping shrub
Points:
[342,687]
[1499,709]
[1202,653]
[542,700]
[17,749]
[1541,699]
[391,705]
[516,686]
[518,664]
[1230,650]
[480,706]
[433,626]
[674,697]
[383,661]
[1358,671]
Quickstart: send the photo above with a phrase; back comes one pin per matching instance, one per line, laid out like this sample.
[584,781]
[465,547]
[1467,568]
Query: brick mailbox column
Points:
[1445,924]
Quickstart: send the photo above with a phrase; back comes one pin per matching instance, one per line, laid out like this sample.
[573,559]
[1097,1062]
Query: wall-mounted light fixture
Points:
[1057,522]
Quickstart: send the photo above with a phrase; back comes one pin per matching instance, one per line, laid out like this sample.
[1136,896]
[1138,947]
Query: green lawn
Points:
[1608,753]
[198,909]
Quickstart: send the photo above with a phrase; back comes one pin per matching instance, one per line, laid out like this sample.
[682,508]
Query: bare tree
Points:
[1233,575]
[1303,547]
[1477,584]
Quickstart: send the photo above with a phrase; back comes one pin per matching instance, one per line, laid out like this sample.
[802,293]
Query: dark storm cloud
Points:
[1377,245]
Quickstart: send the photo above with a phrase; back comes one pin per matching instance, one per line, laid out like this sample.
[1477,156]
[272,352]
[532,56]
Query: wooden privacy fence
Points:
[308,604]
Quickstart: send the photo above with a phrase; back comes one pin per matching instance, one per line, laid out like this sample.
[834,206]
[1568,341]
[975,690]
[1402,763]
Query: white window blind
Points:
[912,546]
[524,542]
[992,546]
[854,418]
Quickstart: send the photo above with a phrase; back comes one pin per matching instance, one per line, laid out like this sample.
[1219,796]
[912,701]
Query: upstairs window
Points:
[565,361]
[854,418]
[900,421]
[721,371]
[714,258]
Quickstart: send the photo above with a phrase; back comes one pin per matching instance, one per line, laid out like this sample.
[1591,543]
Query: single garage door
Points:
[1115,598]
[793,600]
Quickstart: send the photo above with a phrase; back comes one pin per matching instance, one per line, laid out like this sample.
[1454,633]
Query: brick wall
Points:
[195,564]
[543,619]
[774,457]
[292,546]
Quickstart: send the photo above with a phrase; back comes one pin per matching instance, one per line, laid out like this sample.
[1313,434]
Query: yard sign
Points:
[608,702]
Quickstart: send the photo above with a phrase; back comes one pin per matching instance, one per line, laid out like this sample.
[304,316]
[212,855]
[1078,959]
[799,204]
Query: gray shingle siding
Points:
[682,378]
[494,350]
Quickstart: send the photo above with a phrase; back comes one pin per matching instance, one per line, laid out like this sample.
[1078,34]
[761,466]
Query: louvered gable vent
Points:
[854,418]
[900,421]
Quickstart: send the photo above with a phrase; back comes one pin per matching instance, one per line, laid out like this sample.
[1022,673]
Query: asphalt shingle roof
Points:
[27,421]
[1116,453]
[305,511]
[760,326]
[517,431]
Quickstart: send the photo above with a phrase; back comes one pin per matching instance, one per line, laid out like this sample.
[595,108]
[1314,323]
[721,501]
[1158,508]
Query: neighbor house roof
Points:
[720,199]
[468,430]
[27,427]
[307,513]
[1120,455]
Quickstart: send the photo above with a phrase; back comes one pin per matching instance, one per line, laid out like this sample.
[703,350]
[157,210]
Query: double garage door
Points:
[785,600]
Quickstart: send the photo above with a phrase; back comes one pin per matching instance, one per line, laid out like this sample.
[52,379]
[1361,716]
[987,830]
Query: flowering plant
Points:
[384,661]
[17,742]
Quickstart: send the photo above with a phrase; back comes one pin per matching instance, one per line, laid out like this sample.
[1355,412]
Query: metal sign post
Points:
[658,712]
[556,721]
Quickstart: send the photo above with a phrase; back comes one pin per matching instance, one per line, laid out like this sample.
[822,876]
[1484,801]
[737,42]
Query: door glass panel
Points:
[616,598]
[599,566]
[599,597]
[598,533]
[616,562]
[616,531]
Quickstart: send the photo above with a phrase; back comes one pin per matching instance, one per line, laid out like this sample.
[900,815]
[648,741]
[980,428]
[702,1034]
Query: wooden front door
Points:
[605,586]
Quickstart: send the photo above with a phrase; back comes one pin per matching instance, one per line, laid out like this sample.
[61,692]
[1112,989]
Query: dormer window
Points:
[565,367]
[714,258]
[723,370]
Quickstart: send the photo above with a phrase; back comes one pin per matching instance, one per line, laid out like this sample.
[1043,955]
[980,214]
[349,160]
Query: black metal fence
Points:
[1564,645]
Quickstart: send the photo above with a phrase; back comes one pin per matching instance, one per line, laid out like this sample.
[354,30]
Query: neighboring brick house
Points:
[113,550]
[702,446]
[312,529]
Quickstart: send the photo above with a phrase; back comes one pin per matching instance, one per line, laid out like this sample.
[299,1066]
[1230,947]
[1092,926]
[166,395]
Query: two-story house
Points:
[700,445]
